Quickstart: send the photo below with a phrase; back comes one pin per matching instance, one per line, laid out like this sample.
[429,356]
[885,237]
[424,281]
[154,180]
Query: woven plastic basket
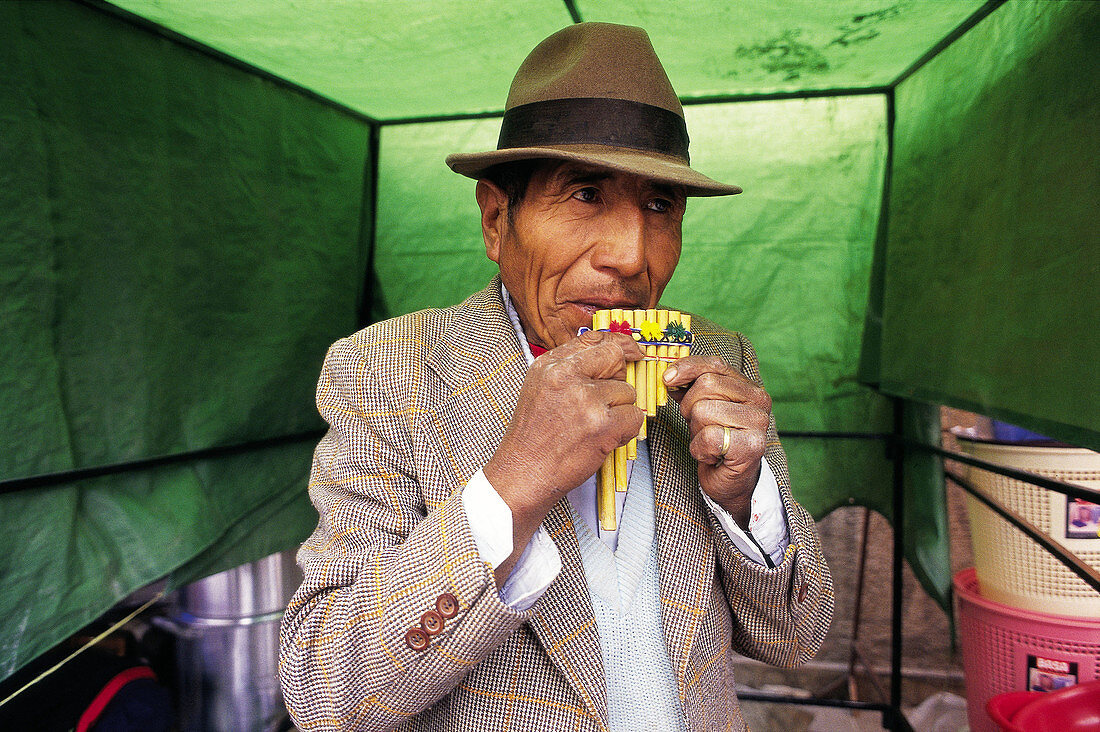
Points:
[1009,649]
[1012,568]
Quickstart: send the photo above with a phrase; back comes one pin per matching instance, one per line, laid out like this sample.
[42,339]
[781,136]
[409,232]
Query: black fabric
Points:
[56,703]
[611,122]
[142,705]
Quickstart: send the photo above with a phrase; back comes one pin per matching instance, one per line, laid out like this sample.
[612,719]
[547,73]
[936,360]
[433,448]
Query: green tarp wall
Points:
[183,235]
[992,264]
[179,243]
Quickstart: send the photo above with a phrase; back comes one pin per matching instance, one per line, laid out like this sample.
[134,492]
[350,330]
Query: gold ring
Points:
[725,442]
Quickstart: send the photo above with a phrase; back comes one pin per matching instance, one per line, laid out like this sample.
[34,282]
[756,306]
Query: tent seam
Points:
[193,44]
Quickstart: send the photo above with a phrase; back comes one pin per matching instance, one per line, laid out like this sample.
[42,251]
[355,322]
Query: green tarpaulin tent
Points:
[197,197]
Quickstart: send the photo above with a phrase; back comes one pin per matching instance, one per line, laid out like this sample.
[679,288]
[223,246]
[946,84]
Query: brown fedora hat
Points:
[596,93]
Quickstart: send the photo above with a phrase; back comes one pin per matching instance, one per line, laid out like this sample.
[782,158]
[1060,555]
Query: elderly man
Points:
[459,579]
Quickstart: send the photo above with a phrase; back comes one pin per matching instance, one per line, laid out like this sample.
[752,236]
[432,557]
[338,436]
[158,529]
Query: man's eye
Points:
[660,205]
[588,195]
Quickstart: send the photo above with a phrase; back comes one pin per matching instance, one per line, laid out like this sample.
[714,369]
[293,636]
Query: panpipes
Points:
[664,336]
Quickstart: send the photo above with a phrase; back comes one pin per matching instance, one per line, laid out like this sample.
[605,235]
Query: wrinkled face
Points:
[583,238]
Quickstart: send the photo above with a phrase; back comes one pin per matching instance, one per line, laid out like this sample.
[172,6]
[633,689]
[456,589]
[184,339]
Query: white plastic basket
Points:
[1013,569]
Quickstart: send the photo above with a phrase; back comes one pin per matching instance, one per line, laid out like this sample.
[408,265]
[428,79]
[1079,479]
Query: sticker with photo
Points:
[1082,519]
[1050,674]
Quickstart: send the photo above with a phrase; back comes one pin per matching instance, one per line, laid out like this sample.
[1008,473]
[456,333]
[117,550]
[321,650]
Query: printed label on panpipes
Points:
[1050,674]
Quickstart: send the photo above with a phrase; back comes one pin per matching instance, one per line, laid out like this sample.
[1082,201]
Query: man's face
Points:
[583,238]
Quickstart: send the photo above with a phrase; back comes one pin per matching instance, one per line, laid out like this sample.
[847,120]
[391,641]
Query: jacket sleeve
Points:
[378,562]
[780,615]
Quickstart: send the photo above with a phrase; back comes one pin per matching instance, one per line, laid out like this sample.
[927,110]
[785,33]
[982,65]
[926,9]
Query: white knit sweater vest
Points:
[626,600]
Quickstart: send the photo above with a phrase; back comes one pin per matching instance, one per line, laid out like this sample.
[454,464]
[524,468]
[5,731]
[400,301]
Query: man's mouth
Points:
[591,306]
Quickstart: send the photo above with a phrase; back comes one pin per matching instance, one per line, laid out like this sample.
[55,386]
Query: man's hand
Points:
[728,417]
[575,407]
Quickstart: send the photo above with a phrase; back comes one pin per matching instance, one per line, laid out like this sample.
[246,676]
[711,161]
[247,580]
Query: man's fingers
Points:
[591,338]
[629,418]
[616,393]
[630,349]
[736,415]
[612,419]
[596,355]
[710,378]
[689,368]
[736,448]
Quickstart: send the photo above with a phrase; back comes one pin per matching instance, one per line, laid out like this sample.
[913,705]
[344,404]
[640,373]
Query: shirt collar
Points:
[513,316]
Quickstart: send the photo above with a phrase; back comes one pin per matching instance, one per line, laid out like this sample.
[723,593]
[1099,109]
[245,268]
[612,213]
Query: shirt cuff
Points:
[767,520]
[491,525]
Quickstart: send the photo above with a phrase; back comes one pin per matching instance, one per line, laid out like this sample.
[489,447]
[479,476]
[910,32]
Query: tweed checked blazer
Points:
[416,405]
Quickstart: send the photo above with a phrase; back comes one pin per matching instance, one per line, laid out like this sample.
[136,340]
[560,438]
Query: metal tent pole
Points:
[897,448]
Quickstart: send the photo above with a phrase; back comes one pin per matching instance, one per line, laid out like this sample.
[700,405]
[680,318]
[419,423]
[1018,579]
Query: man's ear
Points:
[494,216]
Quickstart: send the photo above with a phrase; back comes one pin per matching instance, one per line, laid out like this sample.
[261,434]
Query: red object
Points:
[107,693]
[1073,709]
[536,351]
[623,327]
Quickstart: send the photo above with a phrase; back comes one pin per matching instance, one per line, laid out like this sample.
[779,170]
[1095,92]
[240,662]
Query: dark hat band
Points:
[585,121]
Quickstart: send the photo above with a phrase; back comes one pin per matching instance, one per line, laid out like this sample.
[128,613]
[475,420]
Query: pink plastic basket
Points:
[1010,649]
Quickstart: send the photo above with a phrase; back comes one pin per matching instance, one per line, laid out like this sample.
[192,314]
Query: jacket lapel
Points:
[482,363]
[478,355]
[683,531]
[479,360]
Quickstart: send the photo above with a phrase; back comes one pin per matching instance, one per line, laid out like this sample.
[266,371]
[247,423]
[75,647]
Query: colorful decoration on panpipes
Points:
[664,336]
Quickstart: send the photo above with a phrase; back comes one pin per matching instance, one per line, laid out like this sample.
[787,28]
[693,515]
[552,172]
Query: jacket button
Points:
[802,593]
[431,622]
[417,639]
[447,605]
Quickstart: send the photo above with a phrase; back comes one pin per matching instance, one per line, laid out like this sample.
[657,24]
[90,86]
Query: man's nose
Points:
[622,245]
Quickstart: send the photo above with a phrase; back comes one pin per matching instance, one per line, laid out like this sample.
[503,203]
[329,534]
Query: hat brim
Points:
[647,164]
